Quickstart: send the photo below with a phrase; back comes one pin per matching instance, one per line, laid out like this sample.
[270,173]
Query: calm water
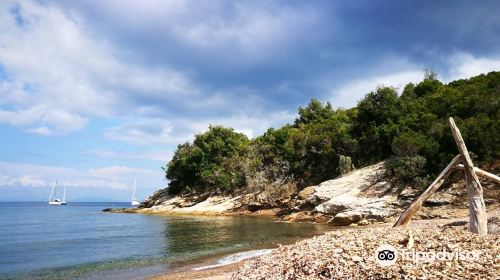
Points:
[79,241]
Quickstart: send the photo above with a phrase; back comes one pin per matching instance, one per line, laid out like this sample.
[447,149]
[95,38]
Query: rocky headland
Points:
[361,197]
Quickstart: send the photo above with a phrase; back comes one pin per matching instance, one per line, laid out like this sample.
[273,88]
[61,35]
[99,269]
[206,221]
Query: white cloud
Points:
[146,131]
[7,180]
[59,74]
[115,172]
[32,181]
[44,121]
[349,94]
[26,180]
[239,32]
[458,66]
[110,177]
[251,125]
[463,65]
[157,131]
[162,156]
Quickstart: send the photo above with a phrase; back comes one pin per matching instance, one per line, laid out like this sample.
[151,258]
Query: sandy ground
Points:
[218,273]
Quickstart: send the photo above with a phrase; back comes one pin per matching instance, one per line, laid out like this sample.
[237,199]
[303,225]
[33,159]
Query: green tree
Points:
[211,163]
[315,111]
[376,124]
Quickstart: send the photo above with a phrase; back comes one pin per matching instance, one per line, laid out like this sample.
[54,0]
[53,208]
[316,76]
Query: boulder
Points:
[306,193]
[336,205]
[352,184]
[362,193]
[347,218]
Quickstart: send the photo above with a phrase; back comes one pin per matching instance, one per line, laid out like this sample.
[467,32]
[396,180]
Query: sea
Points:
[80,241]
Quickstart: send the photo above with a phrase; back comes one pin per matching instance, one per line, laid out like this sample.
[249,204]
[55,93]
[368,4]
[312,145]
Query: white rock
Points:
[361,193]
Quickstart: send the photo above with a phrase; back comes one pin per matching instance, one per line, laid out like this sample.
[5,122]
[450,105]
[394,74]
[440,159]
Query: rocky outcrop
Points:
[212,205]
[364,194]
[361,197]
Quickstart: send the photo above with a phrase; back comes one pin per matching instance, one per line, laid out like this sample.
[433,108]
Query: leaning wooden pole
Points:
[404,219]
[482,173]
[477,209]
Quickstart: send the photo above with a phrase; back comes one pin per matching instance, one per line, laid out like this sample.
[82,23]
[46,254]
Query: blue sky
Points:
[97,93]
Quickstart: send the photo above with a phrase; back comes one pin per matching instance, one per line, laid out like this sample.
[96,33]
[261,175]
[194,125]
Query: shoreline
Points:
[217,273]
[226,271]
[213,268]
[271,212]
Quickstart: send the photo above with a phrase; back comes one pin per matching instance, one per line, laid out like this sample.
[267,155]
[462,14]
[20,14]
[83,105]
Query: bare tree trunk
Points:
[477,208]
[404,219]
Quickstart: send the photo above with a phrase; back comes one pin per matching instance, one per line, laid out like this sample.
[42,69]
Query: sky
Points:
[97,93]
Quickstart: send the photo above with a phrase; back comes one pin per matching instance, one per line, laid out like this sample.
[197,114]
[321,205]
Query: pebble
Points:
[334,255]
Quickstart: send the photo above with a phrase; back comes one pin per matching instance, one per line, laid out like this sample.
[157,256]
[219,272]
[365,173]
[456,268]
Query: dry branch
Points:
[404,219]
[483,173]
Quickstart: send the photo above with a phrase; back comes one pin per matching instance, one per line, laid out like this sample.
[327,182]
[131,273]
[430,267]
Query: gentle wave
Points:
[234,258]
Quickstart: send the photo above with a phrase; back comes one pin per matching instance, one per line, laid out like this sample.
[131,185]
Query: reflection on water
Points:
[80,241]
[194,236]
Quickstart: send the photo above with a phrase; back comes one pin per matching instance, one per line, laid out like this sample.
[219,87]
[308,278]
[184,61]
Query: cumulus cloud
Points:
[58,74]
[236,32]
[157,131]
[349,94]
[464,65]
[458,66]
[147,131]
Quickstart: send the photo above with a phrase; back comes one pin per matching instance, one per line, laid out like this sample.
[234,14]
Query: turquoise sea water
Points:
[79,241]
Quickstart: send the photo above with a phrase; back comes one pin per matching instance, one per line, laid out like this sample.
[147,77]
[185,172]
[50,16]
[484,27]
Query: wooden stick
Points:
[404,219]
[477,208]
[483,173]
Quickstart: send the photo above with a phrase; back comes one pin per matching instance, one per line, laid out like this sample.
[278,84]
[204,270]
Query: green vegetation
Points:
[212,162]
[409,131]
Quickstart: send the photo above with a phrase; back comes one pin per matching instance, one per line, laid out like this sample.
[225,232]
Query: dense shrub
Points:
[408,169]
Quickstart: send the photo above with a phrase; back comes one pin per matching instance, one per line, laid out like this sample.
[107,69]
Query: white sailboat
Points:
[135,202]
[52,198]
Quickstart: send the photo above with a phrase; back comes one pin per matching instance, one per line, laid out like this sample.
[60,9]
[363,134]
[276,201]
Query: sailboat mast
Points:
[53,189]
[64,194]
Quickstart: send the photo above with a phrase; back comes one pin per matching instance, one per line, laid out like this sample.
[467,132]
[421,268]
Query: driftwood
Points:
[404,219]
[483,173]
[477,208]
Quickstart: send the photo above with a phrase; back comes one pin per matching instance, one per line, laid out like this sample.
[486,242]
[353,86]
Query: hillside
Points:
[408,132]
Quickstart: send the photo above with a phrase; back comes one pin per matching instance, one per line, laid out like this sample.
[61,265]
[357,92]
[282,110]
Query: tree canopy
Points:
[410,131]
